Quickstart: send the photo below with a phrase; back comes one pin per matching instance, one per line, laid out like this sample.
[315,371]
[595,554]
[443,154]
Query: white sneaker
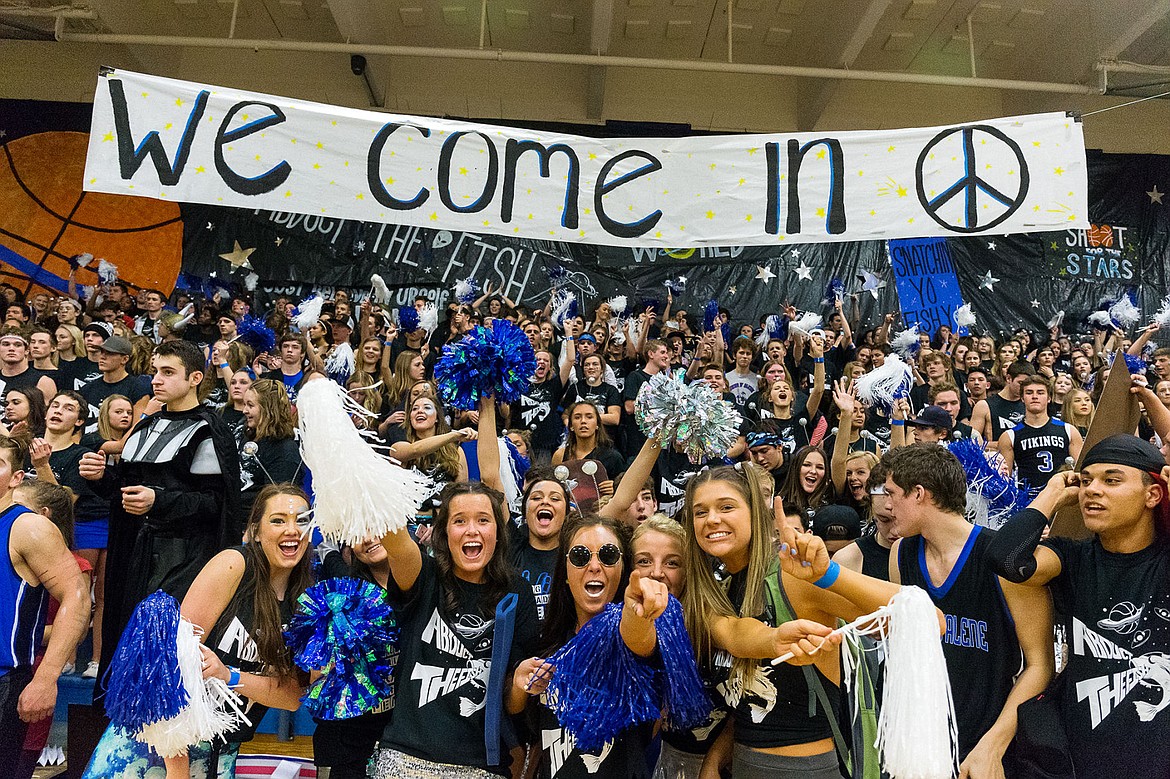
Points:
[90,671]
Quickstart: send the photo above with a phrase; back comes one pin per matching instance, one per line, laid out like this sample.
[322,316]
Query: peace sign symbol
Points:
[972,184]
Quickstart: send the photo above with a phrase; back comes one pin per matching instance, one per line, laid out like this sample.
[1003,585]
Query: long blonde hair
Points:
[704,597]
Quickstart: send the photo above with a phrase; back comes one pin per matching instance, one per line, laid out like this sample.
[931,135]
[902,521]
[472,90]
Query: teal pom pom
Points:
[144,684]
[487,362]
[345,628]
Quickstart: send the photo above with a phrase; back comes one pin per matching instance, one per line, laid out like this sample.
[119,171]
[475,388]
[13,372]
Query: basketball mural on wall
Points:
[46,218]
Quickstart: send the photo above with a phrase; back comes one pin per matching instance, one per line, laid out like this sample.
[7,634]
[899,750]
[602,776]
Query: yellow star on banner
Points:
[747,218]
[179,101]
[320,145]
[890,149]
[107,137]
[901,192]
[434,216]
[167,126]
[201,169]
[360,196]
[238,257]
[1059,171]
[821,153]
[710,214]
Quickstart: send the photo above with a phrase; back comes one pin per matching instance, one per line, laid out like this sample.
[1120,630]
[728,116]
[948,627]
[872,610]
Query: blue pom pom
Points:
[710,314]
[408,319]
[725,329]
[519,461]
[498,361]
[345,628]
[834,292]
[573,311]
[256,334]
[684,697]
[600,687]
[1004,497]
[1135,364]
[144,684]
[556,273]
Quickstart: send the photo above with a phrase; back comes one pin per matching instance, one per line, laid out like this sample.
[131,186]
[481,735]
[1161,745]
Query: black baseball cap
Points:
[932,416]
[836,523]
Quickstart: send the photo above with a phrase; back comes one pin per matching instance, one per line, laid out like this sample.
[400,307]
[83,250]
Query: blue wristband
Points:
[818,360]
[898,422]
[234,678]
[830,577]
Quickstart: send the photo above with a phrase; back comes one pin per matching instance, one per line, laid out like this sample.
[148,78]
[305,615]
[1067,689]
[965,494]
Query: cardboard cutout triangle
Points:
[1118,411]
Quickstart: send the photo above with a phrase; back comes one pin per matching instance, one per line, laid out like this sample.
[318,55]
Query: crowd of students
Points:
[173,429]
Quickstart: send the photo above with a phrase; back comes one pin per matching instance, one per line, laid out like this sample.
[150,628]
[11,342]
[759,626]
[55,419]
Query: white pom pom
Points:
[1101,319]
[465,290]
[1124,312]
[1057,319]
[906,342]
[1163,315]
[964,316]
[358,494]
[213,709]
[805,324]
[250,282]
[617,305]
[428,318]
[83,259]
[562,300]
[880,386]
[381,291]
[340,363]
[308,313]
[107,272]
[916,730]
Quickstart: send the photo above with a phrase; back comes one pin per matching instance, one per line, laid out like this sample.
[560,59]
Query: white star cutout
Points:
[764,273]
[731,290]
[991,245]
[803,272]
[1035,304]
[794,253]
[870,283]
[279,240]
[682,279]
[1155,195]
[210,226]
[3,133]
[360,246]
[987,281]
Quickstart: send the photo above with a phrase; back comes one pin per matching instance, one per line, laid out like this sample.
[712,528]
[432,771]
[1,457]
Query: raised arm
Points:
[816,348]
[568,358]
[632,481]
[844,400]
[487,447]
[1140,342]
[1159,415]
[1015,552]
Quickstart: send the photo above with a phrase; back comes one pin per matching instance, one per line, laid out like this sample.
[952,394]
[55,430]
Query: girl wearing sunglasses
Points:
[729,523]
[593,568]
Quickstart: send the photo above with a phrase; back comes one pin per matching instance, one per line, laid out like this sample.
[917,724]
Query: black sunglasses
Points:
[609,555]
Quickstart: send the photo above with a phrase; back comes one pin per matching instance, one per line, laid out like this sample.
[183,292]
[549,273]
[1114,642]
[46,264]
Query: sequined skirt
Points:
[391,764]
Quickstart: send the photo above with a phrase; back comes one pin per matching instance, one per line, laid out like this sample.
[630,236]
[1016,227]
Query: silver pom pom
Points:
[694,418]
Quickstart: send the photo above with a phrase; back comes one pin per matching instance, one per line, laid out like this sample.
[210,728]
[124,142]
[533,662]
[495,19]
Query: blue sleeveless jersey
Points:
[22,606]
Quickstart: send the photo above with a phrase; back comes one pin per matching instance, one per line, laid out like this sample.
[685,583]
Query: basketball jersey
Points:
[1039,451]
[875,558]
[980,645]
[1005,414]
[22,606]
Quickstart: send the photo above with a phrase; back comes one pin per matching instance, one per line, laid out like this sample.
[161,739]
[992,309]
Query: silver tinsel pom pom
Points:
[694,417]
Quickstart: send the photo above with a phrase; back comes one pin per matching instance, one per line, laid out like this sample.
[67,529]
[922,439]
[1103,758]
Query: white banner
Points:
[161,138]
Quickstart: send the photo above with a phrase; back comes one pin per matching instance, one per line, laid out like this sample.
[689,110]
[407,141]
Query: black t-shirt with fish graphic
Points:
[443,668]
[623,757]
[1116,612]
